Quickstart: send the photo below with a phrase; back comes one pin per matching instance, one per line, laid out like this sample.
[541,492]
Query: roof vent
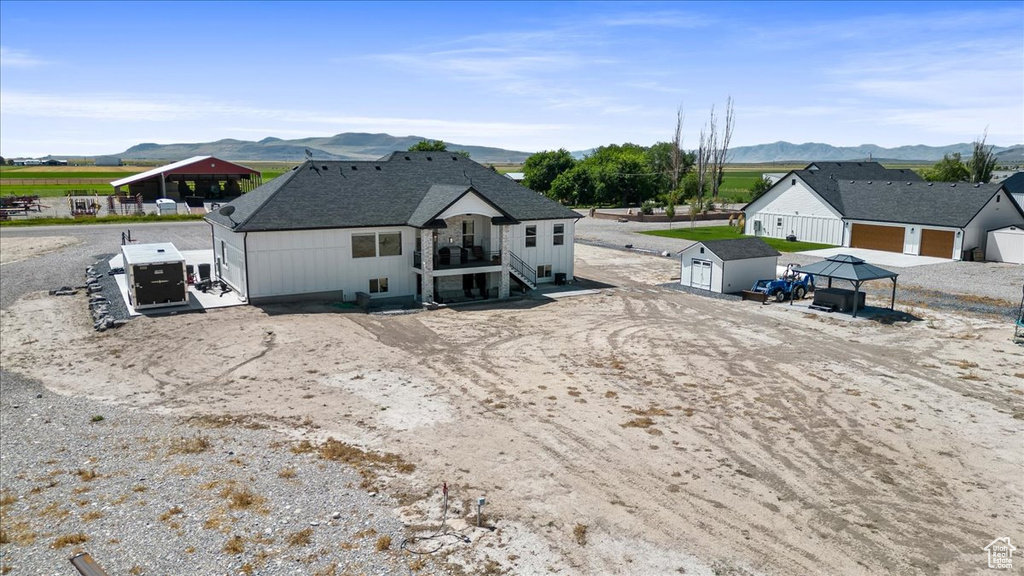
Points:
[355,168]
[407,158]
[977,185]
[908,183]
[376,167]
[851,181]
[429,159]
[869,181]
[952,185]
[888,183]
[325,167]
[455,158]
[930,183]
[159,249]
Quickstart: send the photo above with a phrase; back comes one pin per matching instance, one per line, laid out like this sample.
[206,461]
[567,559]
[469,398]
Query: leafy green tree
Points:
[982,162]
[434,146]
[759,188]
[429,146]
[622,174]
[574,186]
[541,169]
[950,169]
[690,185]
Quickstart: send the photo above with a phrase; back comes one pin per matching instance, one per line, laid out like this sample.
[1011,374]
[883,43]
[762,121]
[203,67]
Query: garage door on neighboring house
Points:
[937,243]
[873,237]
[700,274]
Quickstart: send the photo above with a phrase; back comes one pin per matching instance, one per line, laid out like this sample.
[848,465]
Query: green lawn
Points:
[730,232]
[99,220]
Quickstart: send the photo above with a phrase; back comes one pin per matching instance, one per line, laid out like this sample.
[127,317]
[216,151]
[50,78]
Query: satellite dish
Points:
[228,211]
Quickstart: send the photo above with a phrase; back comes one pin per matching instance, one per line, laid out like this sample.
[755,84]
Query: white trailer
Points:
[155,274]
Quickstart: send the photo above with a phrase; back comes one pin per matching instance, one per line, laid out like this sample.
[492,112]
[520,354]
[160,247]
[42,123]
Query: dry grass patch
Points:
[383,543]
[287,473]
[186,445]
[70,540]
[227,420]
[643,422]
[301,538]
[7,497]
[18,532]
[87,475]
[579,533]
[242,498]
[362,460]
[651,410]
[92,515]
[171,512]
[971,376]
[234,545]
[304,447]
[964,364]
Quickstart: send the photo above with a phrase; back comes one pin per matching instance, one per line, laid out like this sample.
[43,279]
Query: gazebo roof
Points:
[846,267]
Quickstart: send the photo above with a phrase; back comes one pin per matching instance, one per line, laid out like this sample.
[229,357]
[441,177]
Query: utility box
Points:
[155,274]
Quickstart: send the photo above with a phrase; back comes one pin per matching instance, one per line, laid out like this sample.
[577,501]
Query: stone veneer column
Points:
[427,264]
[503,283]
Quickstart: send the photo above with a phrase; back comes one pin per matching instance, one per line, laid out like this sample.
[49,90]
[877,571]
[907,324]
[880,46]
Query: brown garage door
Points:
[888,238]
[938,243]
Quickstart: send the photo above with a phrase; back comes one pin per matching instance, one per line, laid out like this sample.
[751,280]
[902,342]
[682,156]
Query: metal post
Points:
[856,297]
[892,304]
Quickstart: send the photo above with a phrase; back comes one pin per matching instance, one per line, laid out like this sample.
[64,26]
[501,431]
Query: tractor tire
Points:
[779,295]
[799,292]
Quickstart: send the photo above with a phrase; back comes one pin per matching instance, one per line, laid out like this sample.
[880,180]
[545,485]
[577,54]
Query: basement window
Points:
[531,236]
[378,285]
[544,271]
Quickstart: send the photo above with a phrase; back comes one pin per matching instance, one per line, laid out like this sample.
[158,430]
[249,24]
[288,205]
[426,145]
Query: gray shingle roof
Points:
[404,188]
[846,267]
[1015,183]
[740,248]
[926,203]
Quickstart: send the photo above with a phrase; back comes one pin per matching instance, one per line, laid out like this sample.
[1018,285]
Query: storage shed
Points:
[727,266]
[1005,245]
[155,274]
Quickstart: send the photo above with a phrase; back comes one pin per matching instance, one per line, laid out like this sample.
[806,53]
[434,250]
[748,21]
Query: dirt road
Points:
[638,430]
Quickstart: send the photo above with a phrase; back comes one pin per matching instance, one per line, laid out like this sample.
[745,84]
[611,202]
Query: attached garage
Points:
[727,266]
[874,237]
[937,243]
[1005,245]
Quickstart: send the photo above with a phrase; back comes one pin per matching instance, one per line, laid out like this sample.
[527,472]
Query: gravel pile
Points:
[148,494]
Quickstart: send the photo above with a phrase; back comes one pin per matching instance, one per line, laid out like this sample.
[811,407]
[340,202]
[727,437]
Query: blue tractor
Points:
[792,285]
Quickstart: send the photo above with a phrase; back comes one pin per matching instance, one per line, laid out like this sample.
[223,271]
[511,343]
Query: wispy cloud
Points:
[10,57]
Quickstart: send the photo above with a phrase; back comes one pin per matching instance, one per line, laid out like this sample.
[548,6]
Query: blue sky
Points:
[96,78]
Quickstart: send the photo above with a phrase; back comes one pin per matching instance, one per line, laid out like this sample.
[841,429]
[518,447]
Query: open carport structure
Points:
[851,269]
[200,177]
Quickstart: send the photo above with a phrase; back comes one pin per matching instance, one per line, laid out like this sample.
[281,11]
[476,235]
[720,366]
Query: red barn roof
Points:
[207,165]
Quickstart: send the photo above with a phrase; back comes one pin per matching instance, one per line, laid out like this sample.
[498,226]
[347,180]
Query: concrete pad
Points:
[197,300]
[879,257]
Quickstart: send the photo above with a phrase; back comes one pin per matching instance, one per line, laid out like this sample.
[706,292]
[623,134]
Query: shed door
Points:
[938,243]
[872,237]
[700,274]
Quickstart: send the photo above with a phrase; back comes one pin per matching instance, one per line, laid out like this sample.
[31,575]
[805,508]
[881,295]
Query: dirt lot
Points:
[639,430]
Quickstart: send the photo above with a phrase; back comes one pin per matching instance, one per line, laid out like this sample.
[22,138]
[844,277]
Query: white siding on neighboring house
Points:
[792,207]
[1019,198]
[997,213]
[312,262]
[545,253]
[1005,245]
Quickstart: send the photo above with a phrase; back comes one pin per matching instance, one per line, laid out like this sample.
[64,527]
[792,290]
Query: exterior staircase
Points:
[523,273]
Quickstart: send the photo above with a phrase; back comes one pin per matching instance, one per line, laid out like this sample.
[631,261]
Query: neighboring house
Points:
[108,161]
[865,205]
[1015,186]
[431,225]
[1005,245]
[516,176]
[727,266]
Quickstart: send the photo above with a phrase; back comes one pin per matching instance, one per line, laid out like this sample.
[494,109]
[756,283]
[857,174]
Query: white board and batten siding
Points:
[1006,245]
[792,207]
[313,262]
[545,252]
[229,258]
[999,212]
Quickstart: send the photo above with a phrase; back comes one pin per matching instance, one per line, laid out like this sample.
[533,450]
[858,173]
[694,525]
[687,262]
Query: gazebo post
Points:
[892,303]
[856,297]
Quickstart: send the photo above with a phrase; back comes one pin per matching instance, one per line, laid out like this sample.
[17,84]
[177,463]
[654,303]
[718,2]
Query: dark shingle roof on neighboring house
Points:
[927,203]
[740,248]
[403,188]
[860,171]
[1014,184]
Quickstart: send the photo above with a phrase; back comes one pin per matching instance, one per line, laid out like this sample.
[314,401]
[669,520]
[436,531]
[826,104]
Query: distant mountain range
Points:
[363,146]
[347,146]
[785,152]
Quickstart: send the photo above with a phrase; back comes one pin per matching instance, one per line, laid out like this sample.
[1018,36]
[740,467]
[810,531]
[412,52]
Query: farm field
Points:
[780,442]
[732,232]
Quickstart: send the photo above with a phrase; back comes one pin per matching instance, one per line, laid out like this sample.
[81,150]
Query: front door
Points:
[700,274]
